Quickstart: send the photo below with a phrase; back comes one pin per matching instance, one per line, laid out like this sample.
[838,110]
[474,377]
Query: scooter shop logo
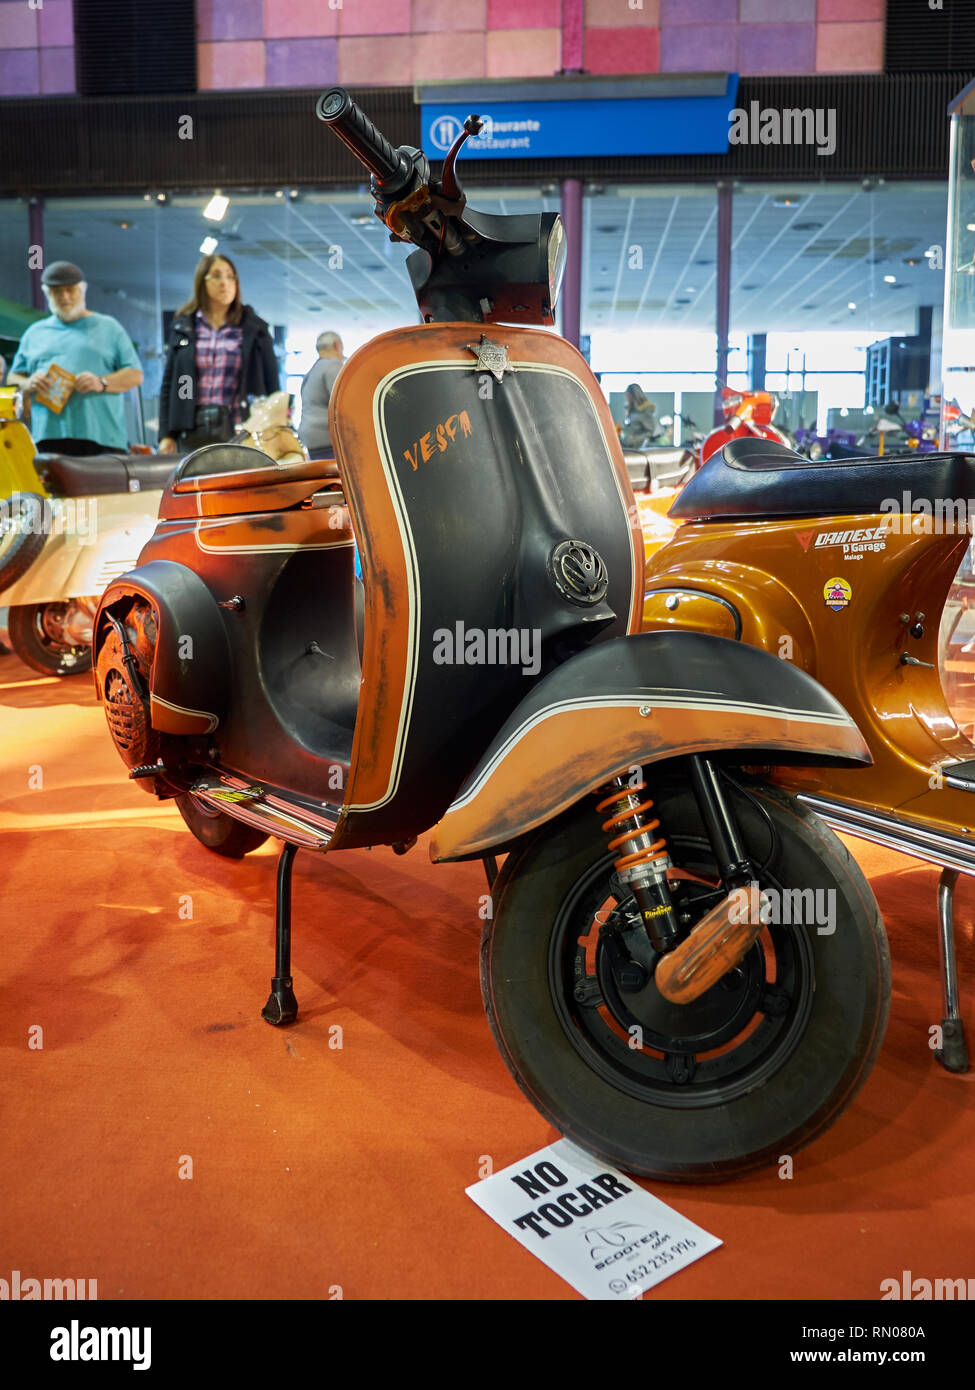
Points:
[791,126]
[608,1244]
[24,513]
[837,593]
[493,646]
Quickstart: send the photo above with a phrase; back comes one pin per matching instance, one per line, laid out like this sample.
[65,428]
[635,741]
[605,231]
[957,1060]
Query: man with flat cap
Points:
[96,349]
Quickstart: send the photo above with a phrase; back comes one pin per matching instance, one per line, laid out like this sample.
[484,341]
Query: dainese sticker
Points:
[837,593]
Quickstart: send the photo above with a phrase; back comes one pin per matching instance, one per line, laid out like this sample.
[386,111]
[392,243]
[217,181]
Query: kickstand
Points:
[282,1006]
[953,1054]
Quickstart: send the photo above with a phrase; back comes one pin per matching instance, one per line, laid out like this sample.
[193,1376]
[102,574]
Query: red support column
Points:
[723,296]
[572,280]
[35,237]
[573,29]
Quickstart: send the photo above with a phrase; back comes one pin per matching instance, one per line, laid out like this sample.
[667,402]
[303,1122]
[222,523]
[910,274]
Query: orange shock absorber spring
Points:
[629,819]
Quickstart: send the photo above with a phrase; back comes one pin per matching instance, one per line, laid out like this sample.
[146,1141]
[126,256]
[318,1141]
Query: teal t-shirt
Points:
[96,343]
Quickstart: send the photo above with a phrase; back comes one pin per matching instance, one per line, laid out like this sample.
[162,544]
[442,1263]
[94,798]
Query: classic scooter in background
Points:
[747,414]
[73,524]
[497,690]
[69,525]
[842,569]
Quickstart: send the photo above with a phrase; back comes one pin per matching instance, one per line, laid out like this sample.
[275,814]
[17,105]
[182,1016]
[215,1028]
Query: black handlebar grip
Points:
[337,109]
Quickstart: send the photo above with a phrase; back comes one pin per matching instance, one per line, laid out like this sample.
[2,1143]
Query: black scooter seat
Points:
[97,475]
[762,479]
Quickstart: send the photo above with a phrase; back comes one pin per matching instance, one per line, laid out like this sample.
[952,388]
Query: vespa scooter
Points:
[496,689]
[843,570]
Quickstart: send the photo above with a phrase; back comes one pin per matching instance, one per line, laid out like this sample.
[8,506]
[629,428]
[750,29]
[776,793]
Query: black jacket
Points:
[258,369]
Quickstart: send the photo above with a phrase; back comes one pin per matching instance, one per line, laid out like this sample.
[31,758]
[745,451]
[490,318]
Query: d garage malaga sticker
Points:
[595,1227]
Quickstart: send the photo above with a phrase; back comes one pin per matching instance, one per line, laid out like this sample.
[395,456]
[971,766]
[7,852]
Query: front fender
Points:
[189,685]
[632,701]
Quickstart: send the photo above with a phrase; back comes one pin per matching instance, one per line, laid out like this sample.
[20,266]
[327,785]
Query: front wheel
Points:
[754,1069]
[216,830]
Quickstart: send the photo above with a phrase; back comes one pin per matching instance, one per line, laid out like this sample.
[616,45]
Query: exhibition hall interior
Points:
[530,447]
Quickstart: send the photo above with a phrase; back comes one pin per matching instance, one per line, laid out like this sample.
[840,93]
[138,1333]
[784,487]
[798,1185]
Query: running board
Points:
[266,810]
[896,832]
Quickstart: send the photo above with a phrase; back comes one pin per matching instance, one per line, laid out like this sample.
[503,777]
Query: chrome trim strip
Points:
[949,851]
[262,816]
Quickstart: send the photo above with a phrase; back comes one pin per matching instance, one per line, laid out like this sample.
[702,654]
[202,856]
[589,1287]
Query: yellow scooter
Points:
[69,526]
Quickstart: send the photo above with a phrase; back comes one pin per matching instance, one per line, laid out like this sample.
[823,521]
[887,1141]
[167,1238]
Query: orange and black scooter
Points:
[492,685]
[842,569]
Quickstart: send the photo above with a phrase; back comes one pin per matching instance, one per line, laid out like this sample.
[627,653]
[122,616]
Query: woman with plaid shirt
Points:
[219,354]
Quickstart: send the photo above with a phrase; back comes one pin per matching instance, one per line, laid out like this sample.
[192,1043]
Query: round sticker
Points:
[837,593]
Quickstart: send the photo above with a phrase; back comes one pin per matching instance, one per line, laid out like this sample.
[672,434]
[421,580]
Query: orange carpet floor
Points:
[318,1168]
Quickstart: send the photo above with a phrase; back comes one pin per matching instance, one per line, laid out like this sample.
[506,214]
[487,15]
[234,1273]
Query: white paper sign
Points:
[594,1226]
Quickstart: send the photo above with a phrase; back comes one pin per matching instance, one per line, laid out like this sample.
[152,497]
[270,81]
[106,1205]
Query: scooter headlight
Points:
[556,260]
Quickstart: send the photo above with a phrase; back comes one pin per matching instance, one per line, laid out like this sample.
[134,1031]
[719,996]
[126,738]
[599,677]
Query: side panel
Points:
[780,577]
[93,541]
[190,680]
[635,701]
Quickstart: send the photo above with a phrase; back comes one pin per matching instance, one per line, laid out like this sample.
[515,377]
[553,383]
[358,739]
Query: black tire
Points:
[760,1094]
[218,831]
[32,627]
[20,547]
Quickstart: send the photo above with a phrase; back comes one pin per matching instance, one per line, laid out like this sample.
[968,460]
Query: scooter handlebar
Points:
[354,128]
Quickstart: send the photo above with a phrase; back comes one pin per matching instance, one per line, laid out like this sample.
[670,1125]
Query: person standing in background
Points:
[96,349]
[315,392]
[220,352]
[640,429]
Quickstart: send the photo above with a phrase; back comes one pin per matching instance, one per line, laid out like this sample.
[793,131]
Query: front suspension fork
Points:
[643,861]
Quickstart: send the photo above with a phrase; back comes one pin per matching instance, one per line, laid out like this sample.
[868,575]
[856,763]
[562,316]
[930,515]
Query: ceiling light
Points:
[890,279]
[969,227]
[208,245]
[852,304]
[216,208]
[689,289]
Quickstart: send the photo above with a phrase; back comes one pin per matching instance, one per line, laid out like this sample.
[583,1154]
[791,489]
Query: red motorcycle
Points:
[745,413]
